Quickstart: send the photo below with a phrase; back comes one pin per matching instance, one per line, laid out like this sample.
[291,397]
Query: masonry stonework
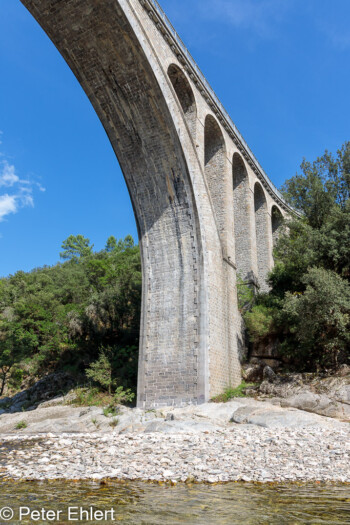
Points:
[197,211]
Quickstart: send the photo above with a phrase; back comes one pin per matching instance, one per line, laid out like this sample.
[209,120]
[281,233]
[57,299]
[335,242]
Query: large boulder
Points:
[319,404]
[49,387]
[270,416]
[269,375]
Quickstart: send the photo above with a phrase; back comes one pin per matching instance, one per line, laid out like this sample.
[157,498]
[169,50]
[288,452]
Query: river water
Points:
[137,503]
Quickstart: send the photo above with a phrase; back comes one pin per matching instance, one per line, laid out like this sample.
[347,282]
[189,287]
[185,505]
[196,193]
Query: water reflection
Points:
[137,503]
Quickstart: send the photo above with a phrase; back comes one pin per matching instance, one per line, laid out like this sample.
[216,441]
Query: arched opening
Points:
[215,168]
[185,95]
[241,217]
[262,243]
[99,43]
[276,223]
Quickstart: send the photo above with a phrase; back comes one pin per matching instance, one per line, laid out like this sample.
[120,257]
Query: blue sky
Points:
[280,67]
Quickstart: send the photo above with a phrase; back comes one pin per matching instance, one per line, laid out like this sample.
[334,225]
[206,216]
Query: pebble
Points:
[248,453]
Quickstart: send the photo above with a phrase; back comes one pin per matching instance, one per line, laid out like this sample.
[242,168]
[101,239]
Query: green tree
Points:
[322,185]
[62,315]
[76,246]
[318,320]
[12,345]
[111,244]
[101,372]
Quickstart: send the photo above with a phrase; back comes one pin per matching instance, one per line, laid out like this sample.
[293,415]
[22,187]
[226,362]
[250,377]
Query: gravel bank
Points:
[243,452]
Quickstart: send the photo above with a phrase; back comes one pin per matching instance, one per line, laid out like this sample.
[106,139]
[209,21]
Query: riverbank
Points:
[243,440]
[244,453]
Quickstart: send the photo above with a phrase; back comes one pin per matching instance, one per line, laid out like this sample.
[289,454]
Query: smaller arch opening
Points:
[276,223]
[185,96]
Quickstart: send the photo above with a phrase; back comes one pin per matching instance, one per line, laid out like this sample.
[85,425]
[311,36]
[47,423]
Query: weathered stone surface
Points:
[343,371]
[192,418]
[328,396]
[200,444]
[319,404]
[254,373]
[45,391]
[274,417]
[269,374]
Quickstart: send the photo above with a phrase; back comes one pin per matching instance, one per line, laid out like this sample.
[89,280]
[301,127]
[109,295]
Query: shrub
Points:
[319,320]
[123,396]
[110,410]
[230,393]
[245,294]
[21,424]
[101,372]
[259,321]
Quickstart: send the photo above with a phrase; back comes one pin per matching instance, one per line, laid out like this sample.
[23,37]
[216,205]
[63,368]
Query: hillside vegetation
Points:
[308,307]
[83,315]
[74,314]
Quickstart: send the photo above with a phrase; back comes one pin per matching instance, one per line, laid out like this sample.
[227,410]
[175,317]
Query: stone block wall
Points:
[194,207]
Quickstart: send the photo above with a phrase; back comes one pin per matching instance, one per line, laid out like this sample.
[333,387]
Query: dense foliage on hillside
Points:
[83,315]
[308,306]
[70,315]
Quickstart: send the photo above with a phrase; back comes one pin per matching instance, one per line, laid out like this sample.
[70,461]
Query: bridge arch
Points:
[241,208]
[185,96]
[262,235]
[120,52]
[276,223]
[215,169]
[99,42]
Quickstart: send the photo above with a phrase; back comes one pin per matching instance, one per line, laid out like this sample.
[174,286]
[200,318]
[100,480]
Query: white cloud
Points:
[8,176]
[26,199]
[8,204]
[19,192]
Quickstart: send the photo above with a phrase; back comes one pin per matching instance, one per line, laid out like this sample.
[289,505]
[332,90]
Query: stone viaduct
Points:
[205,209]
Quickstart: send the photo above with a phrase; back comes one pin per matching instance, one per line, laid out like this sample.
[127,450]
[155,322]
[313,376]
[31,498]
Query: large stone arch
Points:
[262,235]
[185,95]
[120,51]
[98,41]
[242,211]
[276,223]
[215,170]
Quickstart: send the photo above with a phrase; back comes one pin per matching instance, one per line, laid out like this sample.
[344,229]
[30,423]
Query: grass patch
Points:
[111,410]
[230,393]
[95,422]
[88,397]
[20,425]
[93,396]
[114,422]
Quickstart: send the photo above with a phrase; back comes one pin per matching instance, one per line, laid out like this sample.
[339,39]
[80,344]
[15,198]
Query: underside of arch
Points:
[215,169]
[185,95]
[241,208]
[262,239]
[276,223]
[98,42]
